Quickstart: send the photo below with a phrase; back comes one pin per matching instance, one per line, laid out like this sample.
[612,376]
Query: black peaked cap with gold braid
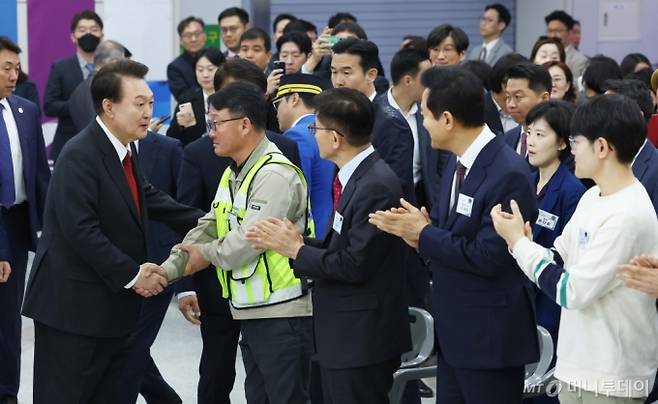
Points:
[299,83]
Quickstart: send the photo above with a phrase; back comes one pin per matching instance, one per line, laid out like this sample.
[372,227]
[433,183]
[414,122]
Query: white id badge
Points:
[464,205]
[338,223]
[547,220]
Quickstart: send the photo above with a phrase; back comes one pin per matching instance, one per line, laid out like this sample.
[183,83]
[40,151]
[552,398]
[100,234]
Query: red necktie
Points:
[524,144]
[337,191]
[130,176]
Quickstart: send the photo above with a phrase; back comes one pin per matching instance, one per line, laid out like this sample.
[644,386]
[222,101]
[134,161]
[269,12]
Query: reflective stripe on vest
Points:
[268,279]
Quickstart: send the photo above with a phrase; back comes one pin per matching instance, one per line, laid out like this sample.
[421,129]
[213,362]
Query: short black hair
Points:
[617,119]
[187,21]
[636,91]
[543,40]
[644,75]
[281,17]
[351,27]
[539,80]
[562,16]
[570,94]
[257,33]
[300,39]
[440,33]
[500,68]
[9,45]
[340,17]
[234,12]
[241,70]
[503,13]
[85,15]
[106,83]
[366,50]
[631,60]
[600,69]
[242,99]
[557,115]
[481,69]
[214,56]
[300,25]
[348,112]
[415,42]
[406,62]
[456,90]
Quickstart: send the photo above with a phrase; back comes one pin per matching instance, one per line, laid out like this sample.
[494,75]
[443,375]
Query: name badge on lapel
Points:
[464,205]
[338,223]
[547,220]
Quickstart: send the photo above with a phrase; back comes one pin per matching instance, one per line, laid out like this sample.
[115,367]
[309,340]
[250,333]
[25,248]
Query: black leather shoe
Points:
[9,400]
[425,390]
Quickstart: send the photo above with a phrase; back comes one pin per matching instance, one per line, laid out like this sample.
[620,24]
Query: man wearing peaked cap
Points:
[295,111]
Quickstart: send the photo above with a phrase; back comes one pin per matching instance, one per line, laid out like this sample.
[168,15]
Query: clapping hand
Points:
[406,222]
[510,226]
[151,280]
[276,235]
[641,273]
[5,270]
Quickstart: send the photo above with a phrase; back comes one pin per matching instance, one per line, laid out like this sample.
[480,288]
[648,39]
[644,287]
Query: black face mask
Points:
[88,42]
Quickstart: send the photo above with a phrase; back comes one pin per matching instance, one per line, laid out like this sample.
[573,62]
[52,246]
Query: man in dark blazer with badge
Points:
[359,308]
[84,288]
[24,177]
[484,321]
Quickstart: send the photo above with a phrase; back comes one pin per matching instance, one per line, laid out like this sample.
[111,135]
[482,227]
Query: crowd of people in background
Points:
[299,202]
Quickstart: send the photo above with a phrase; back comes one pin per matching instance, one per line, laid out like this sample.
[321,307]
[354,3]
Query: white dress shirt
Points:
[121,150]
[345,173]
[470,155]
[16,153]
[410,117]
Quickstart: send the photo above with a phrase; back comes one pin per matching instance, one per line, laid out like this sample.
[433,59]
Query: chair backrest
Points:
[421,324]
[536,373]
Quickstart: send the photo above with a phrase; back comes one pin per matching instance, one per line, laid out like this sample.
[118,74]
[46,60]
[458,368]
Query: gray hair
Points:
[107,52]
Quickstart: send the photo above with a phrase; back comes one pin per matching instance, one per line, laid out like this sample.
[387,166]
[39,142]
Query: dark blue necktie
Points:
[7,188]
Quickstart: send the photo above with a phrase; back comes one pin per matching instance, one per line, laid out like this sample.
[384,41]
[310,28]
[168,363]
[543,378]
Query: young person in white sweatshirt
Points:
[608,343]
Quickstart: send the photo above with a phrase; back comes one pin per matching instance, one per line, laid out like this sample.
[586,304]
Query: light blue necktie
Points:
[7,188]
[90,68]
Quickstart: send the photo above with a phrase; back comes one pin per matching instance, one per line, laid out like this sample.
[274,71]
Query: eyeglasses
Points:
[190,35]
[276,103]
[313,129]
[212,125]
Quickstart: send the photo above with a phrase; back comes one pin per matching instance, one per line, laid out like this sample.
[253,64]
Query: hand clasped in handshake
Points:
[151,280]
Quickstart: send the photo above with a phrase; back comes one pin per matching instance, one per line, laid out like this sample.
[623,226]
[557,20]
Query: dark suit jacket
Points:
[359,306]
[491,115]
[512,137]
[181,76]
[81,106]
[433,162]
[94,240]
[28,90]
[393,140]
[187,135]
[482,310]
[159,160]
[36,173]
[645,169]
[201,170]
[65,75]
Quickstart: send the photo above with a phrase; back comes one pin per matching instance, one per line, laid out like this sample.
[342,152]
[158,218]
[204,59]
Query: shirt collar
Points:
[639,151]
[5,102]
[300,119]
[252,159]
[489,46]
[394,104]
[345,173]
[471,153]
[116,143]
[373,95]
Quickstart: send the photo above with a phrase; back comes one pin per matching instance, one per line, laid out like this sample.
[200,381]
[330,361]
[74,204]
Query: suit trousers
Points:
[366,384]
[141,374]
[77,369]
[11,297]
[276,353]
[217,365]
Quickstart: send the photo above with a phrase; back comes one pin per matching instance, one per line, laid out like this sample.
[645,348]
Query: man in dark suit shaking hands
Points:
[484,321]
[93,241]
[359,307]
